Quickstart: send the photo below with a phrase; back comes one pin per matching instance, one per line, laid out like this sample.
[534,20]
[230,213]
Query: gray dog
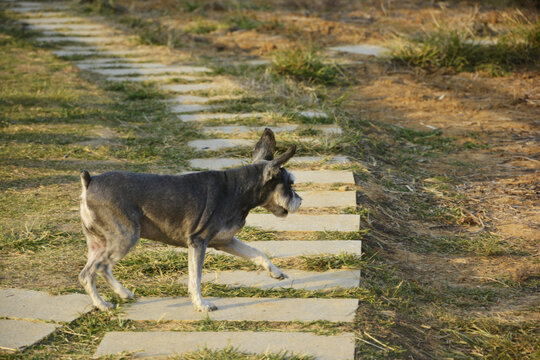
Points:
[196,211]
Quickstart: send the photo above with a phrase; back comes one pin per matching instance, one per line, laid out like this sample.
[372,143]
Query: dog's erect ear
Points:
[272,168]
[265,147]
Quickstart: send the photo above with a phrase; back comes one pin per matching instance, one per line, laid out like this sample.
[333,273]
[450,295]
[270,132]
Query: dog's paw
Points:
[278,274]
[126,294]
[205,306]
[105,305]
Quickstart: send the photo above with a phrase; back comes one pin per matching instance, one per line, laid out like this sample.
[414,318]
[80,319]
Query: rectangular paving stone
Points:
[81,39]
[327,198]
[58,20]
[224,163]
[294,248]
[313,114]
[329,160]
[17,334]
[148,78]
[216,163]
[300,222]
[164,343]
[142,69]
[66,26]
[89,33]
[219,144]
[361,49]
[219,116]
[297,279]
[244,309]
[30,304]
[189,108]
[184,88]
[323,176]
[241,129]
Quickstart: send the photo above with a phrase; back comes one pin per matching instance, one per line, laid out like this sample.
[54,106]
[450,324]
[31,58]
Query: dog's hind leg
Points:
[87,277]
[196,252]
[119,243]
[118,288]
[238,248]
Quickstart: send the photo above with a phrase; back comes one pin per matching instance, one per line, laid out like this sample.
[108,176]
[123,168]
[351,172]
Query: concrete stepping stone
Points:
[300,222]
[313,114]
[327,198]
[66,27]
[328,160]
[323,177]
[240,129]
[17,334]
[192,99]
[244,309]
[184,88]
[104,40]
[130,65]
[143,78]
[294,248]
[136,71]
[216,163]
[81,33]
[297,279]
[163,343]
[220,116]
[225,163]
[190,108]
[30,304]
[361,49]
[218,144]
[58,20]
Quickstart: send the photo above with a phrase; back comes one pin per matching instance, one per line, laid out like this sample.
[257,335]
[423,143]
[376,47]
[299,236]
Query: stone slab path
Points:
[327,186]
[245,309]
[297,279]
[16,334]
[26,310]
[162,343]
[296,248]
[300,222]
[30,304]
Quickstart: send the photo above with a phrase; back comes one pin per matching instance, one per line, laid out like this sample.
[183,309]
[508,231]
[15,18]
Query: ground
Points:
[447,187]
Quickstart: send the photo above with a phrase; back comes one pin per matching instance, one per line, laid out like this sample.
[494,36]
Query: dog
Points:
[196,210]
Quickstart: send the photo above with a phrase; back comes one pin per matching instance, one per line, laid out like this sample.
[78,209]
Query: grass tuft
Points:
[453,49]
[305,64]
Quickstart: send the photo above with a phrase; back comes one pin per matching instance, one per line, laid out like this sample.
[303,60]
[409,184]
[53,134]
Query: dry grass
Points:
[450,242]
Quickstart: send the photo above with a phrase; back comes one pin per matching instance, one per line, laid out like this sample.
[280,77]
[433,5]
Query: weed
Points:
[243,21]
[305,64]
[452,49]
[484,244]
[136,91]
[34,239]
[200,26]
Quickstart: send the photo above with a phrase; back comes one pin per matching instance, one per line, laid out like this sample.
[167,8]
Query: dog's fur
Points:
[196,211]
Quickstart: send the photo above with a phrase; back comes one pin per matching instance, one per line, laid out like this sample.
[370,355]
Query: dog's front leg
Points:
[195,264]
[238,248]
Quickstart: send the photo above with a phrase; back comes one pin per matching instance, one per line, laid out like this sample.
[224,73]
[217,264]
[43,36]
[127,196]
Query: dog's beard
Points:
[289,203]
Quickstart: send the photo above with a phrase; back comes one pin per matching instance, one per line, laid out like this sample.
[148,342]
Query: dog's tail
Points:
[85,179]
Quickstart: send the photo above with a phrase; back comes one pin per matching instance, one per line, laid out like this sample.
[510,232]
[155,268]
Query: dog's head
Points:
[279,196]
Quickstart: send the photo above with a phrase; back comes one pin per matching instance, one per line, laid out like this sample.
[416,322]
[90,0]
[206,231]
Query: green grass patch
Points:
[484,244]
[231,353]
[305,64]
[518,48]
